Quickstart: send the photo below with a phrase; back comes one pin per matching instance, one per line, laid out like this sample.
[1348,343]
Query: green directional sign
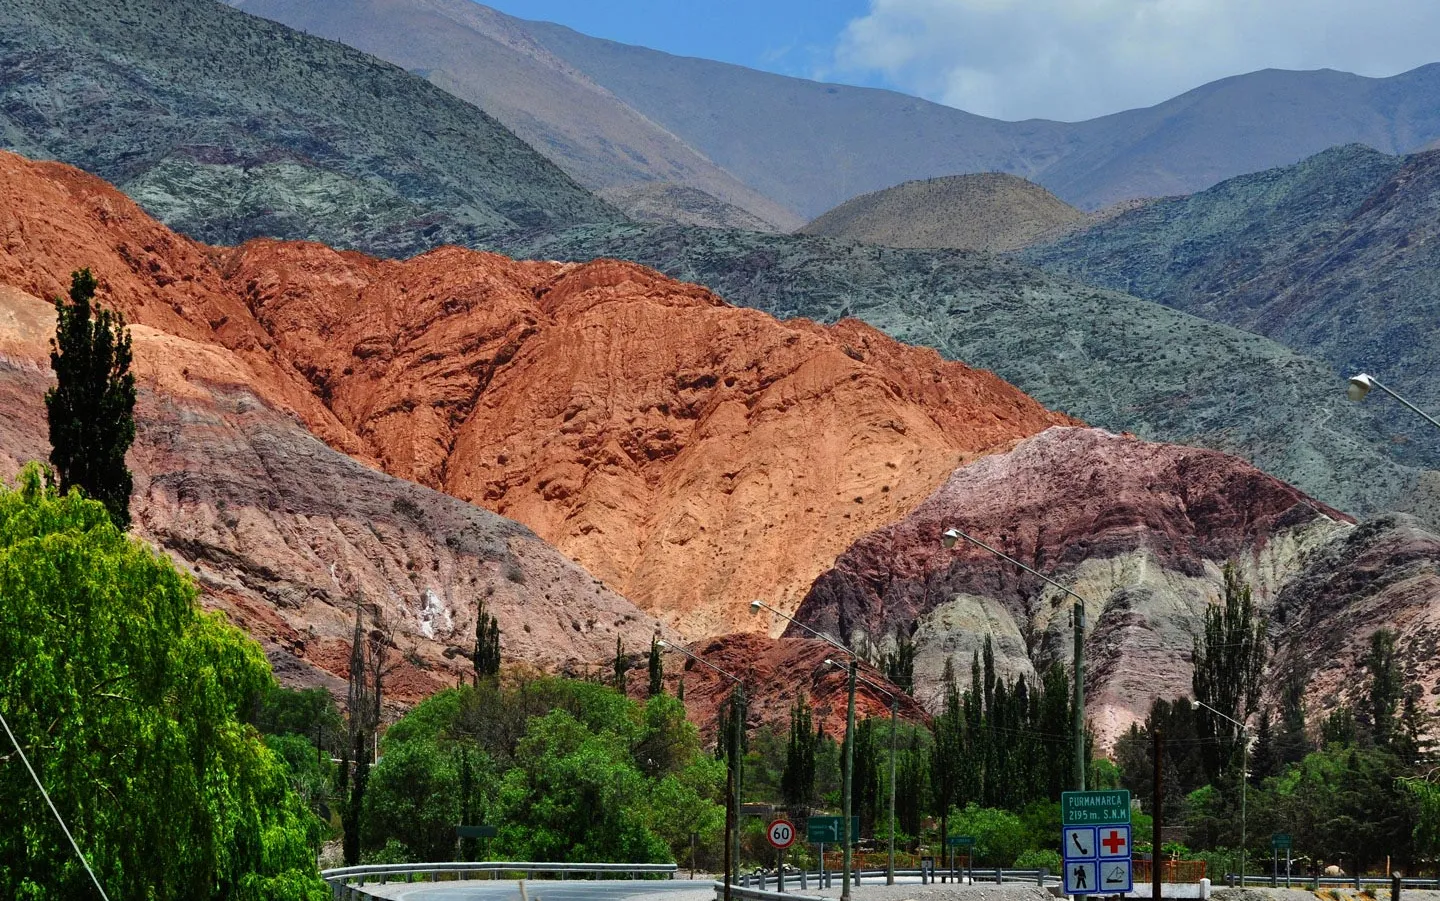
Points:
[1280,841]
[484,831]
[962,841]
[1087,808]
[827,830]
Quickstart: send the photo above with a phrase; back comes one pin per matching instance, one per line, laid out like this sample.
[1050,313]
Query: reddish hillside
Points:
[691,454]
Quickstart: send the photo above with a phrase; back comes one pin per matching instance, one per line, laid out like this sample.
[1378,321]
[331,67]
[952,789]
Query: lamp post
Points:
[845,785]
[1244,758]
[894,712]
[948,539]
[732,772]
[1361,384]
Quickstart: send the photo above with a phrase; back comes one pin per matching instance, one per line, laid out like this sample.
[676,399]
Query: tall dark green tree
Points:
[899,665]
[1382,701]
[620,665]
[91,408]
[797,780]
[1229,659]
[865,785]
[487,644]
[1264,761]
[948,752]
[1292,742]
[657,668]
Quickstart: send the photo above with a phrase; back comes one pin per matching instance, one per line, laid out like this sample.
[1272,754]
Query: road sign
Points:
[962,841]
[781,833]
[826,830]
[1280,840]
[1095,842]
[1081,877]
[1095,808]
[1114,842]
[485,831]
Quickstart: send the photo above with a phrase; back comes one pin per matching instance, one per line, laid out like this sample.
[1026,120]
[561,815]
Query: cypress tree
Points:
[797,779]
[91,408]
[619,666]
[899,667]
[1292,742]
[657,669]
[1229,659]
[487,644]
[1383,699]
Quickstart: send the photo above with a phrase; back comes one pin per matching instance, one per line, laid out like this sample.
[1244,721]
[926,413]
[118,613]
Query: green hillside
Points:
[227,127]
[1337,257]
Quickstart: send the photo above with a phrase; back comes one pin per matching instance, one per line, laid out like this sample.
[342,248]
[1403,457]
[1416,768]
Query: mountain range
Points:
[605,111]
[1335,256]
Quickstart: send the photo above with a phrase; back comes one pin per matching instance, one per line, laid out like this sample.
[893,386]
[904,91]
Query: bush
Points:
[1039,857]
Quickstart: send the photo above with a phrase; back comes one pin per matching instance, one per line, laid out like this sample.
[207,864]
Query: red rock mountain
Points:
[1141,530]
[691,454]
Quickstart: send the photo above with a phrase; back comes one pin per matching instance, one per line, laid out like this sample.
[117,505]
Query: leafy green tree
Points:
[91,408]
[1000,835]
[667,742]
[657,668]
[128,701]
[1292,741]
[487,644]
[312,776]
[1229,659]
[413,799]
[947,752]
[1264,762]
[575,795]
[910,783]
[308,712]
[620,666]
[1339,728]
[865,785]
[797,781]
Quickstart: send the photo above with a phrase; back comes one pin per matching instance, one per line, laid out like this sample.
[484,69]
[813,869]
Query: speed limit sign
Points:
[781,833]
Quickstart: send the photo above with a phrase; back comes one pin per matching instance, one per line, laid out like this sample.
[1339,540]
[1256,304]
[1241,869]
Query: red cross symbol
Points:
[1113,841]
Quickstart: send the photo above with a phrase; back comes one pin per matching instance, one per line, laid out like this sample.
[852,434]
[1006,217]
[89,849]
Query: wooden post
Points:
[1157,816]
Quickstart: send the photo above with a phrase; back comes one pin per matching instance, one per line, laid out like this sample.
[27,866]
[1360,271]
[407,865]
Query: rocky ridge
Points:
[1335,256]
[1140,530]
[691,454]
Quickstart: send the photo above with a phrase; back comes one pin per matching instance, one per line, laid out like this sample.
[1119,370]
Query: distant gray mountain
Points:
[1337,257]
[612,114]
[489,59]
[228,127]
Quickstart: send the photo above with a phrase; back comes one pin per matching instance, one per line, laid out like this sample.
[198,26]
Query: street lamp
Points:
[845,794]
[894,712]
[732,772]
[1244,756]
[948,539]
[1361,384]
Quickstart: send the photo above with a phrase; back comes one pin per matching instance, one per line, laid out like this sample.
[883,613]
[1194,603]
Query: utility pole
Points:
[845,801]
[1157,815]
[1079,733]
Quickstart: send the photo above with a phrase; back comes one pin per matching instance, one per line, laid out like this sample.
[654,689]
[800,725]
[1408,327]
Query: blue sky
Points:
[791,37]
[1016,59]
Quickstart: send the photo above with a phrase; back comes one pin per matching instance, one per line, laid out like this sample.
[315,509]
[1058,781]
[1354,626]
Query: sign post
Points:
[1095,843]
[781,834]
[1277,841]
[967,842]
[826,830]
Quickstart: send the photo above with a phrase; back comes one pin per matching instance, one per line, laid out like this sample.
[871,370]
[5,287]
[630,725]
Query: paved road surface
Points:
[550,890]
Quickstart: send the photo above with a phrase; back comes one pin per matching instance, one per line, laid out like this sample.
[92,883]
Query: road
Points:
[549,890]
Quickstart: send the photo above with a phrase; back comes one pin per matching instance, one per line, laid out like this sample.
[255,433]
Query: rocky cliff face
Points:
[283,533]
[1140,530]
[692,454]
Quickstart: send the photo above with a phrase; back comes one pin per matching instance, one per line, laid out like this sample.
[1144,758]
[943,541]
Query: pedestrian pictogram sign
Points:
[1095,842]
[781,833]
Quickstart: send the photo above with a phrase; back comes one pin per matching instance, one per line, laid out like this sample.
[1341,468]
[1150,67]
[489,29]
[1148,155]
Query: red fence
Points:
[1171,871]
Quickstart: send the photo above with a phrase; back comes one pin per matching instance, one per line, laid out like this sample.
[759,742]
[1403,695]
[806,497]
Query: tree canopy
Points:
[127,700]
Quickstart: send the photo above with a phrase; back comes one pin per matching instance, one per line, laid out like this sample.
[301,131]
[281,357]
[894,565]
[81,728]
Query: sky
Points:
[1018,59]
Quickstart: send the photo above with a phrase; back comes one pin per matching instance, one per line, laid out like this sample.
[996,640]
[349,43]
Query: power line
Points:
[46,795]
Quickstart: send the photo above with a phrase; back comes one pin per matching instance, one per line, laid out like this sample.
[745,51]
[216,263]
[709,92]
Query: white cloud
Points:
[1074,59]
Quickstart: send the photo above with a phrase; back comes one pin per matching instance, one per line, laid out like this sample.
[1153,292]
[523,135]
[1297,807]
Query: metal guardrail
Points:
[348,883]
[803,880]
